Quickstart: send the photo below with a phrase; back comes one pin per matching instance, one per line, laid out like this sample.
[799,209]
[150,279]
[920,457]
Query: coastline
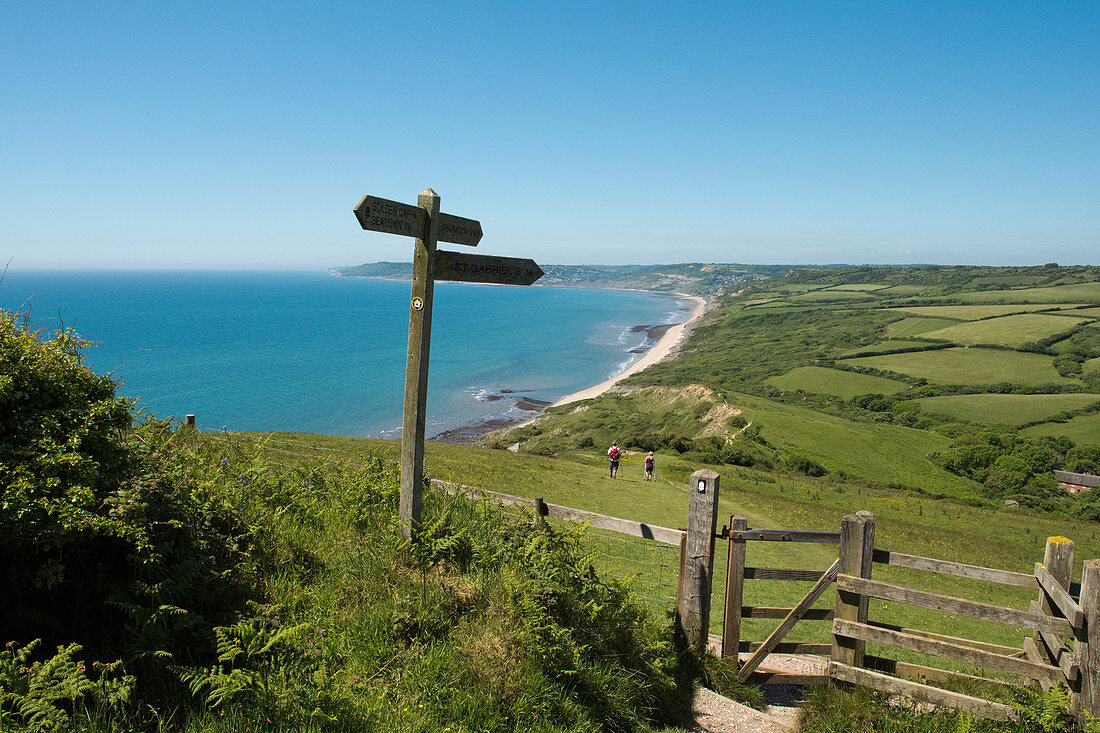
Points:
[665,346]
[669,341]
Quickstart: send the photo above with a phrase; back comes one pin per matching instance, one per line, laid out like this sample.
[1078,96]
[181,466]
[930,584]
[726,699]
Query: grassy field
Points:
[905,522]
[1077,293]
[869,452]
[972,312]
[885,346]
[969,366]
[829,295]
[835,382]
[1008,280]
[854,449]
[864,287]
[1007,330]
[1089,312]
[796,287]
[1092,365]
[908,327]
[1081,429]
[1005,409]
[902,290]
[779,305]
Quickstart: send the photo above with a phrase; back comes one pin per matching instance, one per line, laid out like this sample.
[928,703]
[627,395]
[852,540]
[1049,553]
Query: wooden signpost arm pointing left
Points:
[416,367]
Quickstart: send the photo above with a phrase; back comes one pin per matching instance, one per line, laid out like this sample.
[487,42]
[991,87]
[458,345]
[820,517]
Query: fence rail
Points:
[1061,612]
[646,555]
[1044,657]
[1064,647]
[958,569]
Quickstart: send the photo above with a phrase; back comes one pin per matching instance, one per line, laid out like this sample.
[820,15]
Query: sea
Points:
[312,352]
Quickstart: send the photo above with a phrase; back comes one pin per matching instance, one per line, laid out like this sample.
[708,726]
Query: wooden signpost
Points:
[427,225]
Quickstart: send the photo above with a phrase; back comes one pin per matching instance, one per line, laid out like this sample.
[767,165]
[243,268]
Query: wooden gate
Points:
[1062,645]
[738,534]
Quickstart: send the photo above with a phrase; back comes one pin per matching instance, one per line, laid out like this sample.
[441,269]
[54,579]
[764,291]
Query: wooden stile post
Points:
[857,544]
[735,590]
[1058,560]
[694,607]
[680,577]
[1086,702]
[189,420]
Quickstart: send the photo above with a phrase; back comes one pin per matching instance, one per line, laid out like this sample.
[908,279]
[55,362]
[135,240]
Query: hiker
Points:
[649,467]
[613,454]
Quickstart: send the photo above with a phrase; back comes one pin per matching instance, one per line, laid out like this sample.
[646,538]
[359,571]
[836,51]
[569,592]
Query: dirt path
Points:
[717,714]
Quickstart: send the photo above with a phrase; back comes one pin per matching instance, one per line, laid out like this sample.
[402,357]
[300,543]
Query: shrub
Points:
[114,536]
[804,464]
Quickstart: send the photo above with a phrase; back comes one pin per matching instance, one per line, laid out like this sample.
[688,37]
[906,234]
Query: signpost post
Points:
[425,222]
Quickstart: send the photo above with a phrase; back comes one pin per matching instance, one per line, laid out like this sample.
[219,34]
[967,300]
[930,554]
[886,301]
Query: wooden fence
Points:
[1063,645]
[1063,622]
[696,543]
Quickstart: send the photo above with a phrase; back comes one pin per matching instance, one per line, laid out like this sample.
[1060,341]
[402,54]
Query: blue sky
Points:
[229,135]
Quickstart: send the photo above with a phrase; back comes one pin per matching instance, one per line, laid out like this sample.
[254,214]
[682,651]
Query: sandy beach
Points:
[669,341]
[670,338]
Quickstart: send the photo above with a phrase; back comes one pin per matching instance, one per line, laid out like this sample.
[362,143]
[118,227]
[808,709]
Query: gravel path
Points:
[717,714]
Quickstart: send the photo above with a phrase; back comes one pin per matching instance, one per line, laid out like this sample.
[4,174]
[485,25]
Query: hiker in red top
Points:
[613,454]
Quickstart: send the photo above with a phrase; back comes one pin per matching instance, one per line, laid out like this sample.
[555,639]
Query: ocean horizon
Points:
[312,352]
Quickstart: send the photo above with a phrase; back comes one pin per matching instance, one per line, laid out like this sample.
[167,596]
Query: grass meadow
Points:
[796,287]
[973,312]
[902,291]
[856,449]
[1011,331]
[969,366]
[1005,409]
[908,327]
[1011,539]
[823,380]
[859,287]
[1008,280]
[885,346]
[1079,292]
[832,295]
[1081,429]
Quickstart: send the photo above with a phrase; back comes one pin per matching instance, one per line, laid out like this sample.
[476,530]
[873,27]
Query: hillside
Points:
[158,579]
[190,582]
[970,382]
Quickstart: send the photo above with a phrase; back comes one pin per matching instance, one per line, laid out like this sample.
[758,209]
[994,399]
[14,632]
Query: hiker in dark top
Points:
[649,467]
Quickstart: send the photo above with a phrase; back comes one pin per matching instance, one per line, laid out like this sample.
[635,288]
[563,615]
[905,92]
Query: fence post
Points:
[1058,560]
[680,577]
[189,420]
[735,587]
[1087,645]
[857,545]
[693,609]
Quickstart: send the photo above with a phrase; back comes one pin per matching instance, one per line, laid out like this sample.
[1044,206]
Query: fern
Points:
[255,657]
[40,696]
